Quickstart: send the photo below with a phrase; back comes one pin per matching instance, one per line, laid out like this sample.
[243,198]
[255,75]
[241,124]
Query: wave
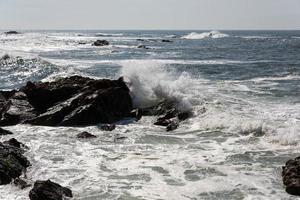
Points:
[199,36]
[150,83]
[109,34]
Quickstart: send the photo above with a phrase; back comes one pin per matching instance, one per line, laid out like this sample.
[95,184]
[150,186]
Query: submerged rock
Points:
[73,101]
[291,176]
[101,43]
[85,135]
[21,183]
[5,132]
[142,47]
[48,190]
[165,40]
[12,163]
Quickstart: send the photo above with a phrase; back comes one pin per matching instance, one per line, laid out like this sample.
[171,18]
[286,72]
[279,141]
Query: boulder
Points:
[12,163]
[5,132]
[73,101]
[291,176]
[85,135]
[100,43]
[15,143]
[48,190]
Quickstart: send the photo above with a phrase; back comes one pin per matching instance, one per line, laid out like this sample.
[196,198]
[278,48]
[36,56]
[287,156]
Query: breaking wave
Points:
[199,36]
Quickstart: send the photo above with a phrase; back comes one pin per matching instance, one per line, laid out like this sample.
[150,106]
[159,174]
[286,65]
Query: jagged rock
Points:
[85,135]
[170,115]
[73,101]
[21,183]
[101,43]
[11,33]
[48,190]
[107,127]
[12,163]
[291,176]
[5,132]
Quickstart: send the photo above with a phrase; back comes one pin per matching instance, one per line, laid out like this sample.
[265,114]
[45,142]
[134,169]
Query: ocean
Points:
[243,88]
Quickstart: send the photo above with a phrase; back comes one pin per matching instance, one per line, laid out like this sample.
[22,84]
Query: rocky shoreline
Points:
[71,101]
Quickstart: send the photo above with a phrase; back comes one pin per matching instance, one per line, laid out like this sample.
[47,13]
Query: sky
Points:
[150,14]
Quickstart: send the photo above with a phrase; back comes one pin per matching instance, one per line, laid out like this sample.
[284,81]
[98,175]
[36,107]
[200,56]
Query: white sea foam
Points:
[199,36]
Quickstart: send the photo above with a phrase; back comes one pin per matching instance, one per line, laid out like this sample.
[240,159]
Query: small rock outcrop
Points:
[12,163]
[291,176]
[170,115]
[165,40]
[5,132]
[73,101]
[11,32]
[48,190]
[100,43]
[142,47]
[85,135]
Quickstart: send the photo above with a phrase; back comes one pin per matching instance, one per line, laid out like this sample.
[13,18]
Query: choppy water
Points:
[247,81]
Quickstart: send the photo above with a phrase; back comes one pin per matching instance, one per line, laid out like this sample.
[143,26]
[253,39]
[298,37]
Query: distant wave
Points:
[108,34]
[199,36]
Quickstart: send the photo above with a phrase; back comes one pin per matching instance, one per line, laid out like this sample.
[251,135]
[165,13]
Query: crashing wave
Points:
[151,83]
[199,36]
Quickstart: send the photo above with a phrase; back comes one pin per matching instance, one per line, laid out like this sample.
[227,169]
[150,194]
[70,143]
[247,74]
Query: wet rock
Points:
[100,43]
[5,132]
[12,163]
[164,40]
[21,183]
[48,190]
[85,135]
[170,115]
[142,47]
[82,43]
[15,143]
[73,101]
[173,125]
[291,176]
[11,33]
[136,113]
[107,127]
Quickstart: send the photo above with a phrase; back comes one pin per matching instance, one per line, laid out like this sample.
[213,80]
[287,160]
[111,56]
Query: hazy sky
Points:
[149,14]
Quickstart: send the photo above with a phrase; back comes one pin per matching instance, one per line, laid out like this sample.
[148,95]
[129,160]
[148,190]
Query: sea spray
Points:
[150,83]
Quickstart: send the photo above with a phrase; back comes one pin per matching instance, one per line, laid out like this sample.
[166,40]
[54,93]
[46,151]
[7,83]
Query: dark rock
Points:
[101,43]
[12,163]
[164,40]
[142,47]
[5,132]
[136,113]
[173,125]
[107,127]
[140,40]
[291,176]
[15,143]
[21,183]
[5,57]
[73,101]
[48,190]
[11,33]
[170,115]
[85,135]
[82,43]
